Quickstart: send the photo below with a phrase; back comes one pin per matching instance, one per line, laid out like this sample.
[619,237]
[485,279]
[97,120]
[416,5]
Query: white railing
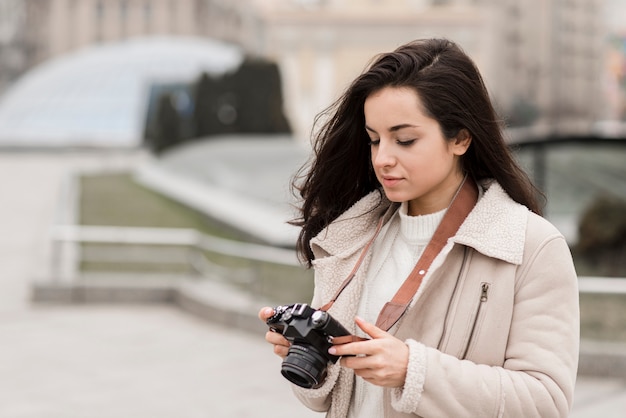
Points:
[66,253]
[606,285]
[67,239]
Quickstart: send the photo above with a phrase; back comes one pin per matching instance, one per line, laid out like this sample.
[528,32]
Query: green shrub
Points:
[602,236]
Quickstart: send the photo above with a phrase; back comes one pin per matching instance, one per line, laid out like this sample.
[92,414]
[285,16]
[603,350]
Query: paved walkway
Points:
[135,361]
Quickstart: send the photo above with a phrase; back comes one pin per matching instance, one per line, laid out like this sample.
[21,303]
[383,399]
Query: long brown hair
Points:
[452,92]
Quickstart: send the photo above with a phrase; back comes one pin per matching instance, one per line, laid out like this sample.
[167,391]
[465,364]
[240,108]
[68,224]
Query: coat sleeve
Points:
[318,399]
[539,371]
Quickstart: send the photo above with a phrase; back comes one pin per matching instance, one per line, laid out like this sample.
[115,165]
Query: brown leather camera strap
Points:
[344,339]
[462,204]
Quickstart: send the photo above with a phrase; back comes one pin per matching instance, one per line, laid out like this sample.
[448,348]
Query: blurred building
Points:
[616,61]
[542,59]
[547,61]
[10,55]
[44,29]
[616,77]
[21,37]
[77,23]
[322,45]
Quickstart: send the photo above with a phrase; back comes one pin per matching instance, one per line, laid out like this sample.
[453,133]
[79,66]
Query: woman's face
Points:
[411,158]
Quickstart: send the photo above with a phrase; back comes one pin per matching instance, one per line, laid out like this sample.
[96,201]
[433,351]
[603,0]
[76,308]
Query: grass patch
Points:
[117,200]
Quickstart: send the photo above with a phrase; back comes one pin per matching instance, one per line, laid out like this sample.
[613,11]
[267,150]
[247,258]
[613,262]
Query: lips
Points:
[390,181]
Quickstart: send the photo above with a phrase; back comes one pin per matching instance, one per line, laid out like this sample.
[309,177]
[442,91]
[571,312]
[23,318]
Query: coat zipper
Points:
[484,292]
[484,296]
[456,288]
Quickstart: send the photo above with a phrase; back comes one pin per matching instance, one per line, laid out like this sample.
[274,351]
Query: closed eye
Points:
[405,143]
[374,142]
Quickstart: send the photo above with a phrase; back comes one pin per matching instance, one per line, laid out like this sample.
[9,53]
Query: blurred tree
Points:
[602,232]
[522,113]
[204,115]
[249,100]
[180,97]
[167,131]
[258,97]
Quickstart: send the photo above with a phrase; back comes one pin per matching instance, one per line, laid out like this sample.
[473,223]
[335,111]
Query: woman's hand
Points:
[381,361]
[281,345]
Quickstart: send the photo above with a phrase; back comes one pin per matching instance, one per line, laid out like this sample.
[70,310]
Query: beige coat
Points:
[494,329]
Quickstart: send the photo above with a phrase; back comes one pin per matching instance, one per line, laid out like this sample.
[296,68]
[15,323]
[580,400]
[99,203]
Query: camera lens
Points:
[304,366]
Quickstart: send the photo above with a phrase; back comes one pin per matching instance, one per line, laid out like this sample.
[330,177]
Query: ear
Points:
[461,142]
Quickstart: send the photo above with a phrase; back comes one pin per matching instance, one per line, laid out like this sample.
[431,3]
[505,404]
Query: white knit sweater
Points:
[394,254]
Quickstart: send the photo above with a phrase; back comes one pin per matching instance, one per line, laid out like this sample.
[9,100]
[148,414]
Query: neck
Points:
[445,195]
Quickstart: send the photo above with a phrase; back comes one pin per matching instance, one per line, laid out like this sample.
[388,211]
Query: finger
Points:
[281,351]
[276,339]
[359,363]
[280,343]
[351,349]
[370,329]
[266,313]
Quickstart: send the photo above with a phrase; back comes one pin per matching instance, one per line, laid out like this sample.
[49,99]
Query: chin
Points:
[395,197]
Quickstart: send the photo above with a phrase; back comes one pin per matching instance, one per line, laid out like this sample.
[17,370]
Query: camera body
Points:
[310,332]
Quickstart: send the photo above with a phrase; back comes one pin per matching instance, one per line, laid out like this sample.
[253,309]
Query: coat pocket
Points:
[477,321]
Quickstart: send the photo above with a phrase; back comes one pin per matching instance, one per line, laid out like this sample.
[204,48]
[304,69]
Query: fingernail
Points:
[332,350]
[268,311]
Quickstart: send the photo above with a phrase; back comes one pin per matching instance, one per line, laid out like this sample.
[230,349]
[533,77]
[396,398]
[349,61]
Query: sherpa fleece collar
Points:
[496,227]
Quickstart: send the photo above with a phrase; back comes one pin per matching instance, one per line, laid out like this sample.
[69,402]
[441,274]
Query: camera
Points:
[310,333]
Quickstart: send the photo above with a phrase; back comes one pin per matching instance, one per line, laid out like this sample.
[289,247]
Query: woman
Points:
[492,329]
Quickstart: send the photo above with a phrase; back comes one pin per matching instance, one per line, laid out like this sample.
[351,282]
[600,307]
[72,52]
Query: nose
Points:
[382,155]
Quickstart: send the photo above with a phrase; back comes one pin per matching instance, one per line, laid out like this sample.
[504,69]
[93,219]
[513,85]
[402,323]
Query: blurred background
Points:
[146,153]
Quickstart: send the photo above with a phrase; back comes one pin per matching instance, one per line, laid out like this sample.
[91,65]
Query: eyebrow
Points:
[394,128]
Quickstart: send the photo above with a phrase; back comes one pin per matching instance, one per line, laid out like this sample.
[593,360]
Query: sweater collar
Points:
[420,228]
